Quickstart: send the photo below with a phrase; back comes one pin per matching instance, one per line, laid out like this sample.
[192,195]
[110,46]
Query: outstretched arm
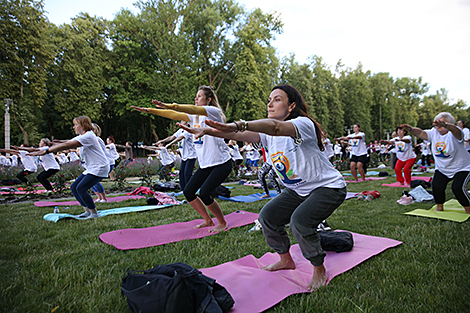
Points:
[185,108]
[25,148]
[415,131]
[174,141]
[71,144]
[457,132]
[11,151]
[201,131]
[174,115]
[387,142]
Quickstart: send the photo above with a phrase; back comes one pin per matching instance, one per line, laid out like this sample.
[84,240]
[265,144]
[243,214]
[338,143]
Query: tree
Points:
[25,56]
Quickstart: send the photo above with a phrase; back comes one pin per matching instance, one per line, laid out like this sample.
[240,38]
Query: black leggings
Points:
[44,175]
[22,176]
[459,187]
[207,179]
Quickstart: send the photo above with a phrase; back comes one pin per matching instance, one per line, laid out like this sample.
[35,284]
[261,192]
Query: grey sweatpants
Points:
[304,214]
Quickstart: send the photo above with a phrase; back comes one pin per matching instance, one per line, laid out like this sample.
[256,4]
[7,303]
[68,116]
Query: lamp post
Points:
[7,103]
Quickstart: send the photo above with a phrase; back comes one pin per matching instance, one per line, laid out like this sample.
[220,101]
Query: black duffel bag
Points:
[176,287]
[338,241]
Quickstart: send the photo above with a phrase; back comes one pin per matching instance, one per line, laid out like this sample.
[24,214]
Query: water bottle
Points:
[56,210]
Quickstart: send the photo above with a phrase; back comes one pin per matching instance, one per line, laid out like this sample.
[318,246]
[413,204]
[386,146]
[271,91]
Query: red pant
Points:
[406,166]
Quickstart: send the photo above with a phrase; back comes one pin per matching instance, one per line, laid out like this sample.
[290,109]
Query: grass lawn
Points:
[65,266]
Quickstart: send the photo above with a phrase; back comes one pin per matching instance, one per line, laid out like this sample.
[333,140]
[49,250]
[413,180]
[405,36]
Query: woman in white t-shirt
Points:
[328,146]
[113,155]
[425,153]
[29,165]
[167,159]
[236,155]
[97,164]
[215,162]
[405,155]
[314,188]
[450,156]
[358,159]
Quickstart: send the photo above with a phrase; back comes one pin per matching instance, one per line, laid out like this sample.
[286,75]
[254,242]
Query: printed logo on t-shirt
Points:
[198,141]
[400,146]
[355,142]
[282,165]
[441,150]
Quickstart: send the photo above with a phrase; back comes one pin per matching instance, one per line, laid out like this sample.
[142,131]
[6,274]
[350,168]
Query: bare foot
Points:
[265,196]
[205,224]
[438,209]
[218,228]
[319,278]
[280,265]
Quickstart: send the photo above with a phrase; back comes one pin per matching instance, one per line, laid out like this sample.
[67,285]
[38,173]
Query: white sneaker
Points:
[92,215]
[103,201]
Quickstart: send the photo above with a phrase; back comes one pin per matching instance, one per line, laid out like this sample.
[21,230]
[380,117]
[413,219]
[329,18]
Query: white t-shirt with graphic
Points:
[235,153]
[186,145]
[211,151]
[166,158]
[404,150]
[48,160]
[303,167]
[93,154]
[358,145]
[425,147]
[450,155]
[28,161]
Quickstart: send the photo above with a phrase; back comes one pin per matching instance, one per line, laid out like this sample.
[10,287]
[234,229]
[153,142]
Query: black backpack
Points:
[420,182]
[221,191]
[176,287]
[338,241]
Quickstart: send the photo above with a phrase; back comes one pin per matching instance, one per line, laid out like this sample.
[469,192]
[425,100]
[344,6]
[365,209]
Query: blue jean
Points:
[98,187]
[80,189]
[304,214]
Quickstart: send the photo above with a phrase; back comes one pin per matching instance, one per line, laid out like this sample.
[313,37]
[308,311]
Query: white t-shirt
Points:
[303,167]
[328,148]
[186,145]
[28,161]
[92,153]
[73,156]
[337,149]
[449,153]
[14,160]
[62,158]
[211,151]
[466,133]
[235,153]
[106,151]
[48,161]
[4,161]
[425,145]
[358,145]
[166,158]
[404,150]
[111,148]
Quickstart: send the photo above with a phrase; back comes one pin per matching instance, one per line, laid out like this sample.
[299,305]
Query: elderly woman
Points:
[450,156]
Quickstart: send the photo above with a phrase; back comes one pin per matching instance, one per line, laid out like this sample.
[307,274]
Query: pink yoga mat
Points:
[256,290]
[136,238]
[74,202]
[397,184]
[367,179]
[22,192]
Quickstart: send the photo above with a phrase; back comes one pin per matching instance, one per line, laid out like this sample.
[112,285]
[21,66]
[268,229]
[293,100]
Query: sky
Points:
[406,38]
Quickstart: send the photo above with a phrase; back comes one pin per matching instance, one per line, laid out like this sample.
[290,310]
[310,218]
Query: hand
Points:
[139,109]
[160,104]
[225,128]
[440,123]
[406,127]
[197,132]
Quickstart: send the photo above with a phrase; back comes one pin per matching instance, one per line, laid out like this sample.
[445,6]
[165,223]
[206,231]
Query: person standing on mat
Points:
[187,152]
[314,188]
[359,151]
[215,162]
[97,164]
[450,157]
[405,155]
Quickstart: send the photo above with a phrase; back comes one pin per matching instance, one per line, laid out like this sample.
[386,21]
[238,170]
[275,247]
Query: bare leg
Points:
[265,196]
[201,209]
[319,278]
[285,263]
[440,207]
[111,175]
[360,167]
[467,209]
[103,196]
[98,195]
[222,224]
[353,170]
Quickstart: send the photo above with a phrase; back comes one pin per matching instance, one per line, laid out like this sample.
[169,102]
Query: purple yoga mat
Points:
[397,184]
[367,179]
[74,202]
[256,290]
[137,238]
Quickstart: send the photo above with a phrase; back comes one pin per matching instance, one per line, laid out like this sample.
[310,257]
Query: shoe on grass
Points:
[83,215]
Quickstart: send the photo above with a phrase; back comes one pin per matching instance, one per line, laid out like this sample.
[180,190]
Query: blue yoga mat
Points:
[54,217]
[250,198]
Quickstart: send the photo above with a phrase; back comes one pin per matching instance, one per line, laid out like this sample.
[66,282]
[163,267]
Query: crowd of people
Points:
[288,147]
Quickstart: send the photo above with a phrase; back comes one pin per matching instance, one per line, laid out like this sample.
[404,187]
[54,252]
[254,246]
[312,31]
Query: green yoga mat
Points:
[453,211]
